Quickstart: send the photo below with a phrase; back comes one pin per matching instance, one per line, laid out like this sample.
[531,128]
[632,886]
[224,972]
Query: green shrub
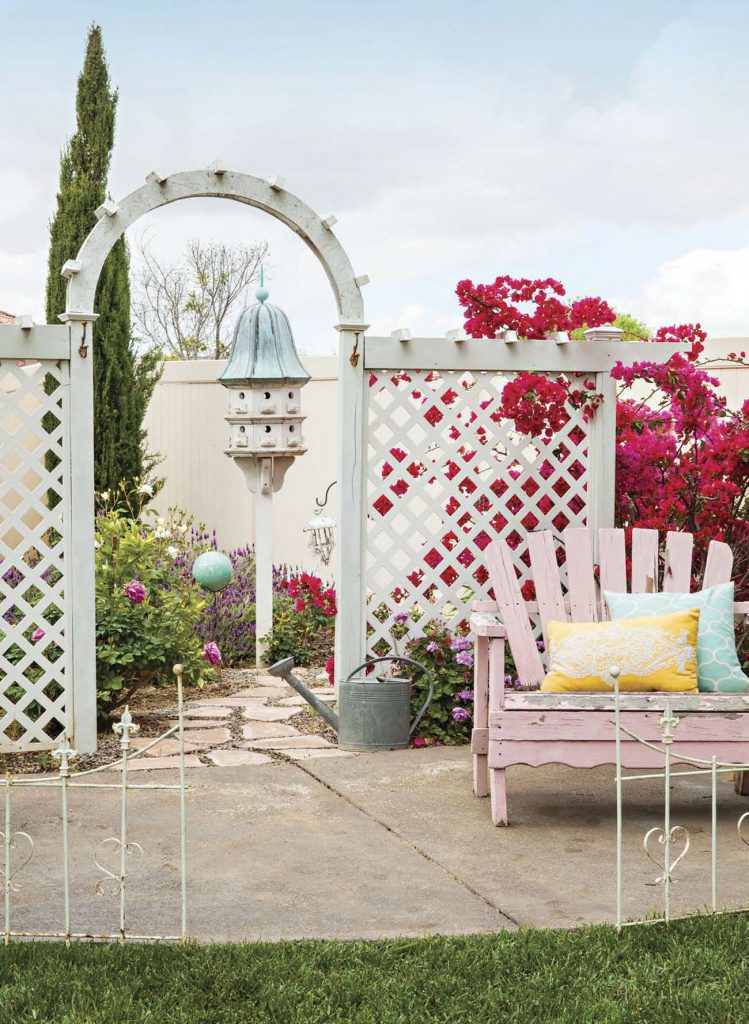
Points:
[307,636]
[146,608]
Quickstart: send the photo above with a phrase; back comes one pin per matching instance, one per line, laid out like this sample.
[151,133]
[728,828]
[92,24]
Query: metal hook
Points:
[324,502]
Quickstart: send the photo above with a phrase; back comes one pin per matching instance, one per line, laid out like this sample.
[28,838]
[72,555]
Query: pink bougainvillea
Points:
[533,309]
[682,454]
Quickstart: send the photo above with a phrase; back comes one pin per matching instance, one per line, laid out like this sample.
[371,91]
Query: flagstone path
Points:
[245,728]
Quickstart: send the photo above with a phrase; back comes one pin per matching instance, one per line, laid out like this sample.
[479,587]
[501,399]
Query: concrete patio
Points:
[373,845]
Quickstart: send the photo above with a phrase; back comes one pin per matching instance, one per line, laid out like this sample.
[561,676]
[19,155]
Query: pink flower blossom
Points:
[135,591]
[211,653]
[37,635]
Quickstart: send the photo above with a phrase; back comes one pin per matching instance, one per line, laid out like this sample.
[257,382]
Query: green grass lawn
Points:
[694,972]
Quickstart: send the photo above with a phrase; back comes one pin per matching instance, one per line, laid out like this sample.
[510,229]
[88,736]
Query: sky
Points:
[604,144]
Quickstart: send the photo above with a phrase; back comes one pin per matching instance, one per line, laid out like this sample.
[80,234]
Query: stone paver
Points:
[235,700]
[266,680]
[201,723]
[163,749]
[207,736]
[307,755]
[263,730]
[194,711]
[292,743]
[237,758]
[265,714]
[299,701]
[146,763]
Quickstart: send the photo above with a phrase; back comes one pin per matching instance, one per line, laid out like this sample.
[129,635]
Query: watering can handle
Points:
[405,661]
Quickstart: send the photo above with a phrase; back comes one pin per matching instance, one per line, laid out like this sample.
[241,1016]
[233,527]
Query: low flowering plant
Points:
[448,659]
[304,621]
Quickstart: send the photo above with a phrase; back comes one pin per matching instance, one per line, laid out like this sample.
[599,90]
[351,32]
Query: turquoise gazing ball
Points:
[212,570]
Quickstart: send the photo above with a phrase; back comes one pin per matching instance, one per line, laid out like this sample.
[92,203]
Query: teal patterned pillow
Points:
[717,663]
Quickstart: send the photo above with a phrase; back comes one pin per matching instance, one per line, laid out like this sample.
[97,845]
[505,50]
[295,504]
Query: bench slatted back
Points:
[584,600]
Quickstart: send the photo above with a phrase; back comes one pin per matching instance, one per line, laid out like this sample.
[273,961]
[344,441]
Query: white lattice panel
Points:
[446,476]
[35,704]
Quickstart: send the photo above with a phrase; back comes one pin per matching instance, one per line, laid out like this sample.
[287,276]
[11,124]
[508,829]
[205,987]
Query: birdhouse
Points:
[264,377]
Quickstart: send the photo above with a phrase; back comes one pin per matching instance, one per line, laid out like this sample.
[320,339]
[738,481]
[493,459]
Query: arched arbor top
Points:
[216,182]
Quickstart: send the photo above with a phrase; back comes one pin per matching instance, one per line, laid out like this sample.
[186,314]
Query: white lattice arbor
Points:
[317,233]
[47,682]
[441,474]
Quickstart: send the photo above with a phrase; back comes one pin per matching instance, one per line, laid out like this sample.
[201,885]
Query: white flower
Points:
[181,528]
[105,495]
[97,544]
[172,551]
[160,533]
[146,489]
[161,521]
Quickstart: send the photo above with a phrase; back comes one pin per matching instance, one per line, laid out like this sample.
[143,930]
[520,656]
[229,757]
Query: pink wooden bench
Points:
[533,728]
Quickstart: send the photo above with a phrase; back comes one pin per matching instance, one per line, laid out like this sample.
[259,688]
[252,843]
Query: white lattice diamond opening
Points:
[447,476]
[34,505]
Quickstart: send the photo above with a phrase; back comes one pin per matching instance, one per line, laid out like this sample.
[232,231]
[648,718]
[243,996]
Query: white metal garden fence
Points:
[667,844]
[116,859]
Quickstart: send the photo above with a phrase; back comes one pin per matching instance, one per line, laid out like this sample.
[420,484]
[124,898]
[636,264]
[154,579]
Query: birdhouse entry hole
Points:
[241,394]
[267,430]
[267,394]
[241,430]
[291,430]
[291,394]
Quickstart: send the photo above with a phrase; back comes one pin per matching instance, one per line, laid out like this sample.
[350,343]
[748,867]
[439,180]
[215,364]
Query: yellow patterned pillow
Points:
[656,653]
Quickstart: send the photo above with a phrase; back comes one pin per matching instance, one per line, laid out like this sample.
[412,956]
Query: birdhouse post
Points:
[264,377]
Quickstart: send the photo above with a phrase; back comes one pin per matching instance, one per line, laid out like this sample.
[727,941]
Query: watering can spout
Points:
[282,669]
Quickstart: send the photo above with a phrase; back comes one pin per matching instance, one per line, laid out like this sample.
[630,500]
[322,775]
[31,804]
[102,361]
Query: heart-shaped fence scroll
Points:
[115,846]
[658,833]
[740,827]
[12,846]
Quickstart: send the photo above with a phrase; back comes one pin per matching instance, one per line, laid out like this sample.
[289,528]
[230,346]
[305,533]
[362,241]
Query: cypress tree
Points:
[122,384]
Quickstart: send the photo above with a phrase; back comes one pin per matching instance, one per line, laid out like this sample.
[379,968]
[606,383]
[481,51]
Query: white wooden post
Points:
[352,476]
[81,578]
[263,561]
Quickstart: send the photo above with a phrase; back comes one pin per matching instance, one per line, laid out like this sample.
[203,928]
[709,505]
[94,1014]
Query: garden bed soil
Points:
[154,709]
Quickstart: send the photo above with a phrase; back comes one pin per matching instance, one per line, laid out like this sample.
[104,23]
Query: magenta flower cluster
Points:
[135,591]
[211,653]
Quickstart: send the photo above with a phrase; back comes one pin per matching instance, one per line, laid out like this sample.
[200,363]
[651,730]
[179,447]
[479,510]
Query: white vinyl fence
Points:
[186,426]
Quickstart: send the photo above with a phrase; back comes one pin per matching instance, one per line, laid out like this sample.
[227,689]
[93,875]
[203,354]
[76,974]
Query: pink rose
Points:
[37,635]
[135,591]
[211,653]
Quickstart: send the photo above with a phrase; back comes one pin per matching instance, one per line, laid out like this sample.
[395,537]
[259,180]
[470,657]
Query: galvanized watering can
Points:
[374,711]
